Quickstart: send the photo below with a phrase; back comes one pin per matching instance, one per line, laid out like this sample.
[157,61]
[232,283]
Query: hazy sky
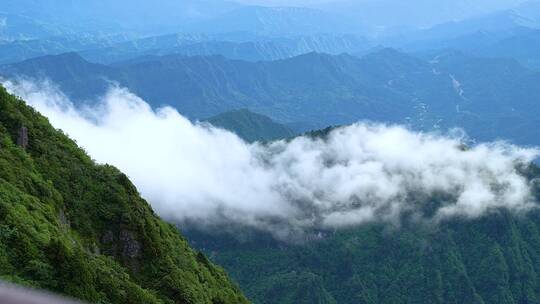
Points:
[287,2]
[160,16]
[434,4]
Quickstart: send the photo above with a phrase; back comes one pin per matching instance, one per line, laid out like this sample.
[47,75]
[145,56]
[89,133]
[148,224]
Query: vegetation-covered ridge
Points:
[251,126]
[491,259]
[495,259]
[81,229]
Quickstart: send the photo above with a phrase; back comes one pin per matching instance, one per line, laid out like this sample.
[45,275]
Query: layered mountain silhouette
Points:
[491,98]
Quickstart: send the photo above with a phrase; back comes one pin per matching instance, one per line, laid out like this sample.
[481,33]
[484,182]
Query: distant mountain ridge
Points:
[104,49]
[491,98]
[477,33]
[206,86]
[280,21]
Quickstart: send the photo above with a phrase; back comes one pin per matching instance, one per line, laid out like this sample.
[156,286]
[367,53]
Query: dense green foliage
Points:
[495,259]
[81,229]
[251,126]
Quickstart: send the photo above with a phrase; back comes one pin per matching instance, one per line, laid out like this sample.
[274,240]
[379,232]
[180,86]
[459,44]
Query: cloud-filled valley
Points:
[366,172]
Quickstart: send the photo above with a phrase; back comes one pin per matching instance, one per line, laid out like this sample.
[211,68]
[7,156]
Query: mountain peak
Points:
[393,59]
[250,126]
[72,60]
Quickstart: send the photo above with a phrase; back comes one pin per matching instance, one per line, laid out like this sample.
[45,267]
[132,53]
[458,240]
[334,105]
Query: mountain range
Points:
[246,31]
[394,16]
[81,229]
[251,224]
[491,98]
[243,46]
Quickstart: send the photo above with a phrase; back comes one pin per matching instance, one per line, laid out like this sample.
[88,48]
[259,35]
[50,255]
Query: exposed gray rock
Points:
[131,248]
[64,220]
[22,138]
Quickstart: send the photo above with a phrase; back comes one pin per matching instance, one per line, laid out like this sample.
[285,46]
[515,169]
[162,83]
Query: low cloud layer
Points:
[357,174]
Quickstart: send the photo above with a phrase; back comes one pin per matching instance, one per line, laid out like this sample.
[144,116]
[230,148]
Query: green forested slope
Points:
[251,126]
[81,229]
[493,259]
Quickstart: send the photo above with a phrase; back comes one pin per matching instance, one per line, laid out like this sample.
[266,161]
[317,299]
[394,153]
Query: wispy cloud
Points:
[357,174]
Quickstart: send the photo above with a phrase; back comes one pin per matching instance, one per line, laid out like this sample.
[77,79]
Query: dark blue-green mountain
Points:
[491,98]
[251,126]
[309,87]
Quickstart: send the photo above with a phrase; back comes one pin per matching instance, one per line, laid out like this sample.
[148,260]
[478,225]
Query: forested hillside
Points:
[251,126]
[81,229]
[492,259]
[495,259]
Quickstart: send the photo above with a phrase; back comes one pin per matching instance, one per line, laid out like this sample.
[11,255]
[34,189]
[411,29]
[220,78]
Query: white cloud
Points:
[358,174]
